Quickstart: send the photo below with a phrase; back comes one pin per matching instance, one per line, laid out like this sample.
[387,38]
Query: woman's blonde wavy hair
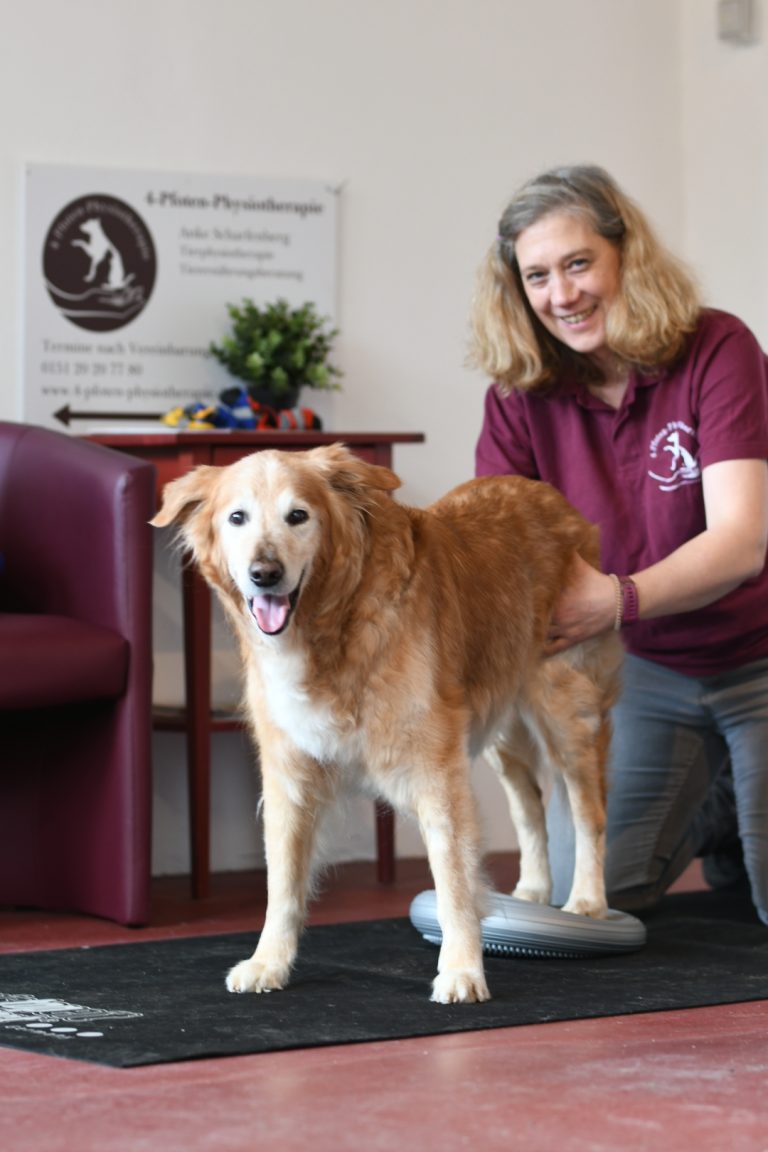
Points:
[656,308]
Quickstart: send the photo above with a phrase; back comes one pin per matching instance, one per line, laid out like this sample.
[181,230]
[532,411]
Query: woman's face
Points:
[571,276]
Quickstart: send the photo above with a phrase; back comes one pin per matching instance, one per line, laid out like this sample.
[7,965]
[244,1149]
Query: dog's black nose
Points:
[266,573]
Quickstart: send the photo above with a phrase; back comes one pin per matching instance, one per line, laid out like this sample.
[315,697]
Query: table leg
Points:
[197,681]
[385,843]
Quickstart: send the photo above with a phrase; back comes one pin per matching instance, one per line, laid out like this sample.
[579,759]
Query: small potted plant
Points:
[276,350]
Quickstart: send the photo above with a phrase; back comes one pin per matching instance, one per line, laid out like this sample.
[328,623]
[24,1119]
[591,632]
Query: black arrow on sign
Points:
[65,414]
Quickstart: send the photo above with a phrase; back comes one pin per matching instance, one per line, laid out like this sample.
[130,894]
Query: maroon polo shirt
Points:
[636,472]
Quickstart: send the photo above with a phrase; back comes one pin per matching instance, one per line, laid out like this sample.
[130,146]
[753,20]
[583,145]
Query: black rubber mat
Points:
[162,1001]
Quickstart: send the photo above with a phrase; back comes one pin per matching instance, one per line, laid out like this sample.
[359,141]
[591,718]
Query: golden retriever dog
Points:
[385,646]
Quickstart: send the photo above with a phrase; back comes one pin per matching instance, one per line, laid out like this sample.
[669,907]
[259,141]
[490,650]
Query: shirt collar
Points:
[579,390]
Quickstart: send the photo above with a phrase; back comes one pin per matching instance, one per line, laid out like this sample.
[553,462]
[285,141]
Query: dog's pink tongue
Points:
[270,612]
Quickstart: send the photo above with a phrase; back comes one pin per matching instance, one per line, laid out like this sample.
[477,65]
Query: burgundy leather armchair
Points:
[75,675]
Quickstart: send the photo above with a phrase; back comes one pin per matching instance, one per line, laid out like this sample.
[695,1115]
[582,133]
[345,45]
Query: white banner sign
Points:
[128,275]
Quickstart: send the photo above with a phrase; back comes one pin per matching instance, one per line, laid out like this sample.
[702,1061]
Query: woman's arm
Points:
[732,549]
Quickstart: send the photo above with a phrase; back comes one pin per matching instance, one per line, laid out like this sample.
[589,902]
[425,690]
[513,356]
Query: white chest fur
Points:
[311,723]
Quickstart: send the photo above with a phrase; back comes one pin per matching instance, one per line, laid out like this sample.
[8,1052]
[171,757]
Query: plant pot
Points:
[280,400]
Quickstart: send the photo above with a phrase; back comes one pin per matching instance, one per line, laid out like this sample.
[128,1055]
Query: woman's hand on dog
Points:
[586,607]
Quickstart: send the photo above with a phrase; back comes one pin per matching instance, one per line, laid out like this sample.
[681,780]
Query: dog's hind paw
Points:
[460,987]
[533,895]
[597,909]
[255,976]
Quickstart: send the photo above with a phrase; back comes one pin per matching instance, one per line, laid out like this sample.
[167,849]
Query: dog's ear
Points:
[182,496]
[349,474]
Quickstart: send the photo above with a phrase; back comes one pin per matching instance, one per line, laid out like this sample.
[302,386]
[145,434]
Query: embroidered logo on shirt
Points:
[673,457]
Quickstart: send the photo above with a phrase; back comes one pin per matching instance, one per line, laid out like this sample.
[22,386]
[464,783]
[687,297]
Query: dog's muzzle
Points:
[272,611]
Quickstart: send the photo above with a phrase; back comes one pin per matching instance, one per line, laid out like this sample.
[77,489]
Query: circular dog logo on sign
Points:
[99,263]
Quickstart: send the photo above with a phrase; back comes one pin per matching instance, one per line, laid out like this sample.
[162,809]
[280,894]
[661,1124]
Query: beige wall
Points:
[724,163]
[429,112]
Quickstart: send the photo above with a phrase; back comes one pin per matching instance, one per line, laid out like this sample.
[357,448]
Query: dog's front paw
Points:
[465,986]
[256,976]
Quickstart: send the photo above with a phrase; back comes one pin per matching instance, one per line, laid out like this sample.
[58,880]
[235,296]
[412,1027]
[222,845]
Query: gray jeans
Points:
[674,740]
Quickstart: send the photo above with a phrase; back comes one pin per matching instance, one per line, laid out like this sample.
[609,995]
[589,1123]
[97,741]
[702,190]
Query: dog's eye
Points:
[237,518]
[297,516]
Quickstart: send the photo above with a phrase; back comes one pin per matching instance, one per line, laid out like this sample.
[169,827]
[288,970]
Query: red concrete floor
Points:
[667,1081]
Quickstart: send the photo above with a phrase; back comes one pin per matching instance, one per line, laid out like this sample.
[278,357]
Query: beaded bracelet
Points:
[630,601]
[627,601]
[619,601]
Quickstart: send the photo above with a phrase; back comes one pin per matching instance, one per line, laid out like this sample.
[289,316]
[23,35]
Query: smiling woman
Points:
[650,414]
